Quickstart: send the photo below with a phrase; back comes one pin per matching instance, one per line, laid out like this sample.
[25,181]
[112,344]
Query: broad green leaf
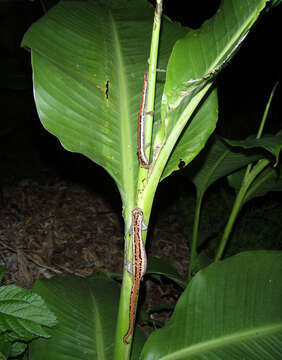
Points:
[195,135]
[23,314]
[86,310]
[11,350]
[203,52]
[230,310]
[217,161]
[161,267]
[17,349]
[88,71]
[270,179]
[201,261]
[5,349]
[194,62]
[271,143]
[88,61]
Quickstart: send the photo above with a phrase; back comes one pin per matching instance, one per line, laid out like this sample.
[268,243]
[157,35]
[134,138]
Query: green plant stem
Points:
[238,203]
[43,6]
[249,177]
[152,73]
[195,236]
[261,127]
[266,112]
[167,149]
[122,351]
[151,90]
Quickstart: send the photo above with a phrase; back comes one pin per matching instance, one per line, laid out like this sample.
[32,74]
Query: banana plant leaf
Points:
[230,310]
[216,161]
[270,179]
[88,61]
[86,310]
[270,143]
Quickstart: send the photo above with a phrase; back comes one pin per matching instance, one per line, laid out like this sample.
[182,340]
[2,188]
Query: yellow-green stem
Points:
[122,351]
[195,236]
[237,205]
[151,94]
[261,127]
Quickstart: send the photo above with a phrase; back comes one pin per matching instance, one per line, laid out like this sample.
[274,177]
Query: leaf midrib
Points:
[209,345]
[124,119]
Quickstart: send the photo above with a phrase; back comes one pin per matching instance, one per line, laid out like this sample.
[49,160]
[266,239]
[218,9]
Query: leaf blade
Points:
[86,309]
[195,61]
[220,315]
[23,314]
[92,93]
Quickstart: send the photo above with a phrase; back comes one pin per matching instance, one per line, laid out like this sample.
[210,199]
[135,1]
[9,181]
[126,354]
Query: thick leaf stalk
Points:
[257,169]
[122,349]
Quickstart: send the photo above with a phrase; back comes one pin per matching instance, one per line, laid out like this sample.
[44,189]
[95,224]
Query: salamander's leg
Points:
[129,267]
[144,226]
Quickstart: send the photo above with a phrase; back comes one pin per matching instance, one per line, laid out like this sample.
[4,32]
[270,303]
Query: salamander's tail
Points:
[124,339]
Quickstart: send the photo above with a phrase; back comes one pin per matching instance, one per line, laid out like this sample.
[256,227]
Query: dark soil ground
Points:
[65,227]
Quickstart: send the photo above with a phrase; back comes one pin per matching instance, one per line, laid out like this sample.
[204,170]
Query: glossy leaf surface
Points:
[217,161]
[230,310]
[195,60]
[88,61]
[23,314]
[270,179]
[86,310]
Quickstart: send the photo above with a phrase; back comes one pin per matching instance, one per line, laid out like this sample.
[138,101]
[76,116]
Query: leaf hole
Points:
[181,164]
[107,89]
